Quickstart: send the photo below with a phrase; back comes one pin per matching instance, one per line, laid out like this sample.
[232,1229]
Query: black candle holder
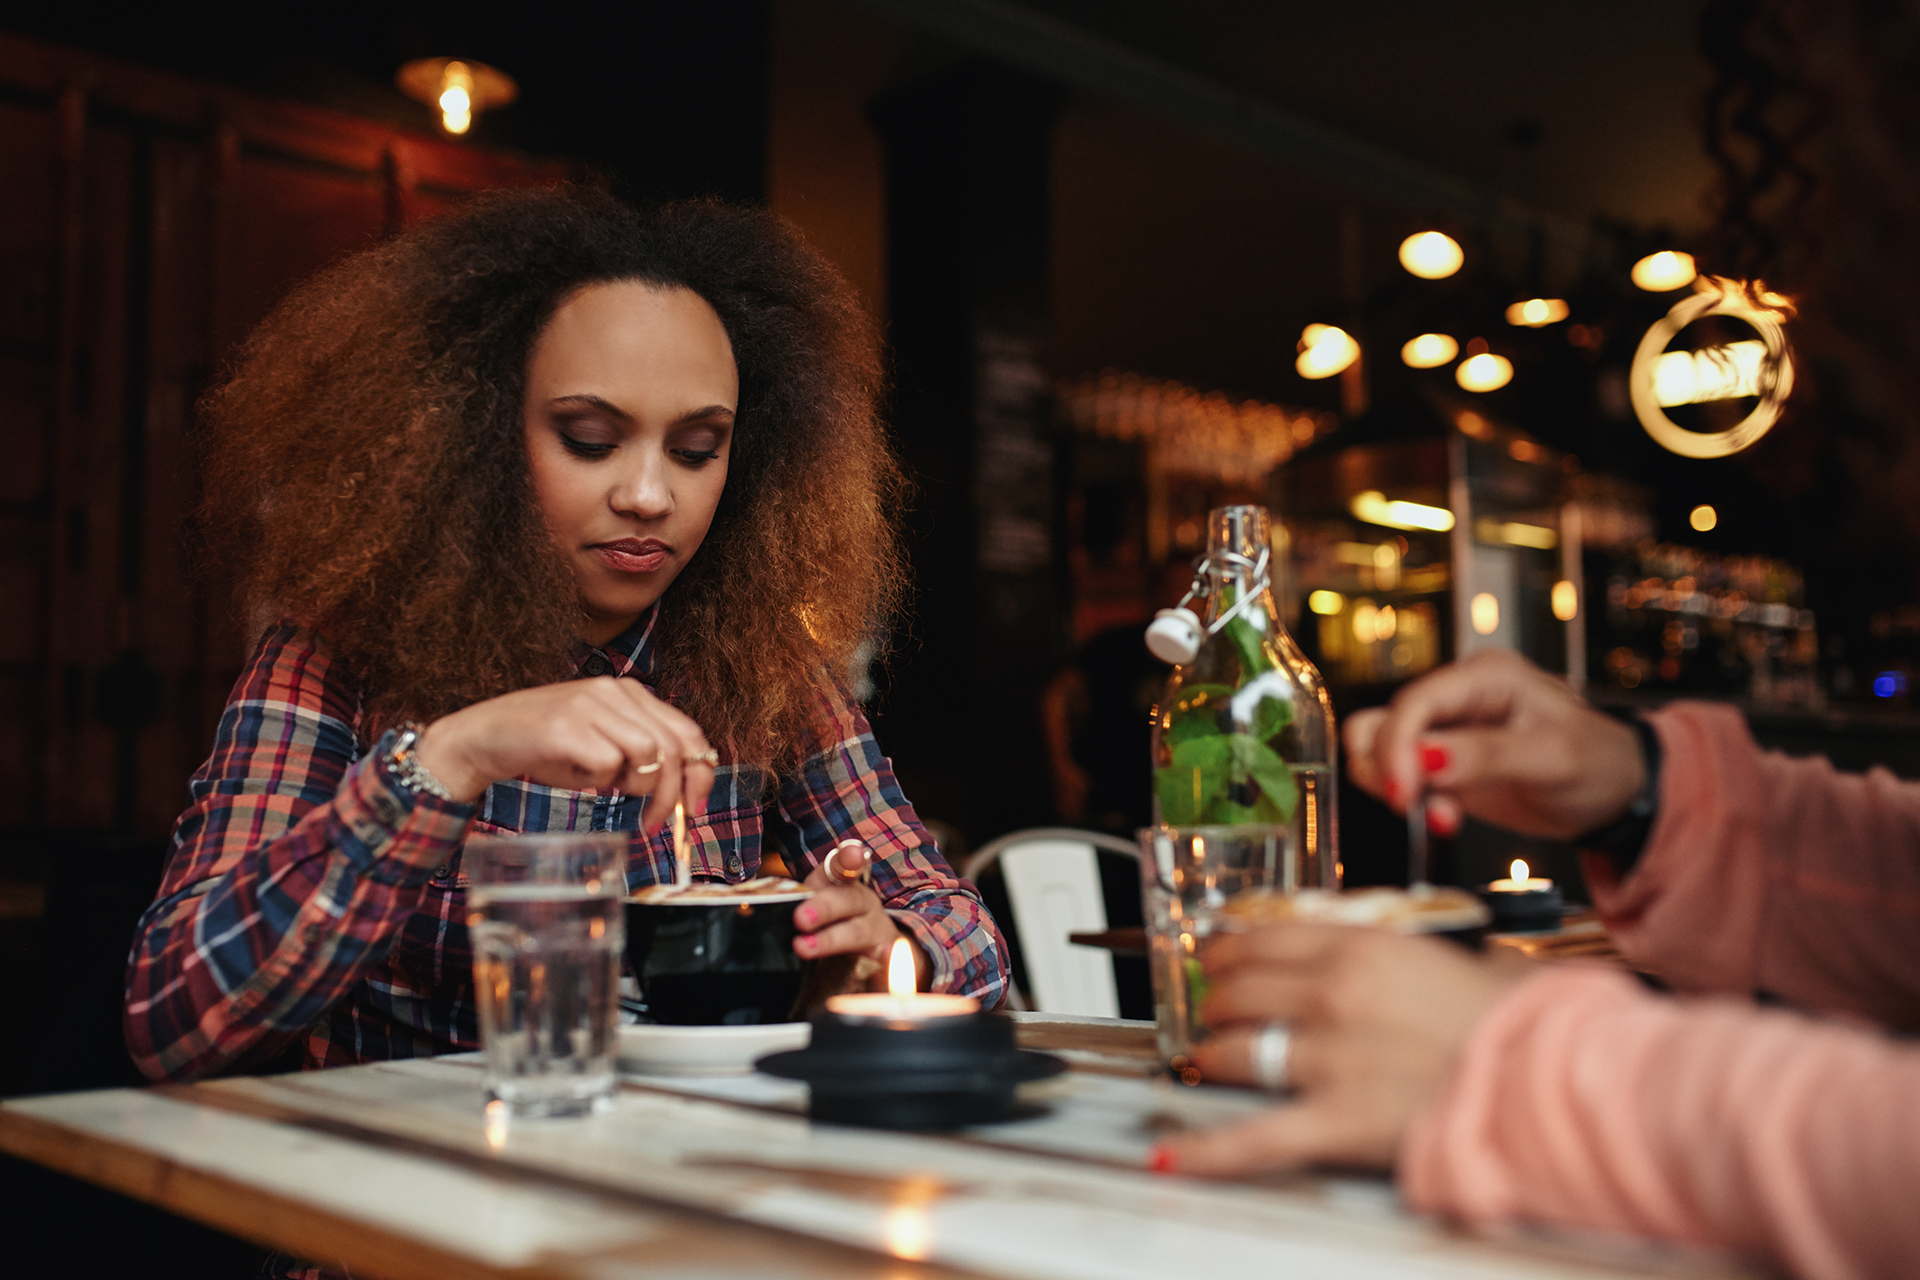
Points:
[1524,910]
[937,1073]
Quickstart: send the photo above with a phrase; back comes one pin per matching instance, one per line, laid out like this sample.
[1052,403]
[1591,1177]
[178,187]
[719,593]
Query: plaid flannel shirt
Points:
[309,893]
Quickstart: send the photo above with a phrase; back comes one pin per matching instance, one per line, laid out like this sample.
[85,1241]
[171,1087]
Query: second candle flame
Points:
[900,977]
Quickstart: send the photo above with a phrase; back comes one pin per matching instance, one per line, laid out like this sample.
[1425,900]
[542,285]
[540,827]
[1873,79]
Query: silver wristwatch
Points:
[407,767]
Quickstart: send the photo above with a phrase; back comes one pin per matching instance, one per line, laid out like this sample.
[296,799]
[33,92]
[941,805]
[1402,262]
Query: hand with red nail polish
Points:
[1500,740]
[850,919]
[1377,1020]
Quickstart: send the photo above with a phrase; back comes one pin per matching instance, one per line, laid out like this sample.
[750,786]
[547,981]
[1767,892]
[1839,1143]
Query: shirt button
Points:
[595,665]
[440,872]
[387,808]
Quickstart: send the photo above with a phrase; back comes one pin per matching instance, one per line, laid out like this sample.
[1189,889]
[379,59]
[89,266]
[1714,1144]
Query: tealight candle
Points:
[903,1059]
[900,1002]
[1523,903]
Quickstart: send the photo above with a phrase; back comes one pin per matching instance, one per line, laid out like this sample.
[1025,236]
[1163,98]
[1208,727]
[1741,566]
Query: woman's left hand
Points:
[850,919]
[1376,1020]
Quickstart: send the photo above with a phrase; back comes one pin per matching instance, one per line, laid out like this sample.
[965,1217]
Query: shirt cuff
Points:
[392,833]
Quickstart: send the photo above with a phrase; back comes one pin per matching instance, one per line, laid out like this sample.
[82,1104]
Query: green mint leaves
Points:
[1218,775]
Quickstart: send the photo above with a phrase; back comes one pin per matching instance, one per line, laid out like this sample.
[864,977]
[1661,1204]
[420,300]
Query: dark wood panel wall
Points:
[146,222]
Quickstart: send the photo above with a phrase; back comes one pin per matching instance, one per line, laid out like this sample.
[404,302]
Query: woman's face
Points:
[629,408]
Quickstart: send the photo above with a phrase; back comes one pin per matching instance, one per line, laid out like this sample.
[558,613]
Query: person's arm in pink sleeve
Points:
[1582,1100]
[1769,874]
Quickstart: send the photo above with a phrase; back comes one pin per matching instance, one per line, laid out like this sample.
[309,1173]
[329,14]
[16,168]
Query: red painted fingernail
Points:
[1161,1160]
[1442,823]
[804,916]
[1393,791]
[1433,759]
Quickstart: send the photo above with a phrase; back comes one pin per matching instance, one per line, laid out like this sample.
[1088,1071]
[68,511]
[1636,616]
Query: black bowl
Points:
[717,962]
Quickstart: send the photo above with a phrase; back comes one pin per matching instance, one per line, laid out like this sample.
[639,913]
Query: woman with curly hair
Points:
[547,514]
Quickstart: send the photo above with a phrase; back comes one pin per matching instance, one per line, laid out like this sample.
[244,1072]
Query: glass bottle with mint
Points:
[1244,733]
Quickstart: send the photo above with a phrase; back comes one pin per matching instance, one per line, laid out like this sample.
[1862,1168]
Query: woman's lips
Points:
[633,555]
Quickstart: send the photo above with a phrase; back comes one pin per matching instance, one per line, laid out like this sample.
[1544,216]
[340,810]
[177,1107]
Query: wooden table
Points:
[396,1170]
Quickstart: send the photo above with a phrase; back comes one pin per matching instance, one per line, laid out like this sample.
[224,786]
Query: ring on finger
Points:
[1272,1045]
[709,757]
[642,770]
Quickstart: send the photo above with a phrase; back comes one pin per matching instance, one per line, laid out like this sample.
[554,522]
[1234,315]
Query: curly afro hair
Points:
[366,468]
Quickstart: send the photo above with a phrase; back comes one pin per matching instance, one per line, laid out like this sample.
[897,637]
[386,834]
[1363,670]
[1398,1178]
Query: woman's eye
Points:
[697,457]
[584,448]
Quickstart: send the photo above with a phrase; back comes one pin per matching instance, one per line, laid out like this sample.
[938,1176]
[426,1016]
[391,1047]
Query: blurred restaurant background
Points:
[1134,259]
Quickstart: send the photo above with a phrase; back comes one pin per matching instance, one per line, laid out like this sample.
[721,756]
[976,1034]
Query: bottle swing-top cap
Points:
[1175,635]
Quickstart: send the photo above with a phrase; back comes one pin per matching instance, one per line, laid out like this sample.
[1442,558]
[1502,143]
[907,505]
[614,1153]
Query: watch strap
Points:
[1625,838]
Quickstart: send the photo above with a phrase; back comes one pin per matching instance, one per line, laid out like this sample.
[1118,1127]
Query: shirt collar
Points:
[629,653]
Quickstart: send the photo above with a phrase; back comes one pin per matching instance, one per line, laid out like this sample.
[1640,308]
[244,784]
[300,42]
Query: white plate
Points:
[651,1050]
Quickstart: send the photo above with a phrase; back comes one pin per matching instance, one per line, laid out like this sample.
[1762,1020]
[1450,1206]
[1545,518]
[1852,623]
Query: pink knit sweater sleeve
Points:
[1770,874]
[1583,1099]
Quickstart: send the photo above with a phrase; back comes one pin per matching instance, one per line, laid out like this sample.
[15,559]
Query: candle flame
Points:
[900,979]
[496,1124]
[1518,870]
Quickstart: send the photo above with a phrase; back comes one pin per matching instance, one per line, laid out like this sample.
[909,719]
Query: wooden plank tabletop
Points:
[396,1170]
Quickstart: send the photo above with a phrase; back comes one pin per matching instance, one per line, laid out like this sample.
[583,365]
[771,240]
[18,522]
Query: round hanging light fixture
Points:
[1431,255]
[1665,271]
[1660,379]
[1538,313]
[1325,351]
[458,88]
[1429,351]
[1484,372]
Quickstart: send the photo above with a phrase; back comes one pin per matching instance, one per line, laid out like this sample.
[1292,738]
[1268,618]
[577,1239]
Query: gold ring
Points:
[709,757]
[644,769]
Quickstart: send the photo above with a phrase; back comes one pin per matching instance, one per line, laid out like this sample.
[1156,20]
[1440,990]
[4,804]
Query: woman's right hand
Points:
[1496,737]
[598,734]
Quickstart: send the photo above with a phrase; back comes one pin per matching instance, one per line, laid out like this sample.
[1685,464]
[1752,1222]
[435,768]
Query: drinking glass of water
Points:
[547,928]
[1187,877]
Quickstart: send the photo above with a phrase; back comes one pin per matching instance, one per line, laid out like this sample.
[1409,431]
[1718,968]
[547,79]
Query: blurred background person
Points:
[1574,1094]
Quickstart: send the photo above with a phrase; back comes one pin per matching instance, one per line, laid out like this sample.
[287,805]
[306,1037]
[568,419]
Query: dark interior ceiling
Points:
[1580,109]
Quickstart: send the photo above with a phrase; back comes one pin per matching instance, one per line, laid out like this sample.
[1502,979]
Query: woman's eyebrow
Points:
[590,402]
[711,411]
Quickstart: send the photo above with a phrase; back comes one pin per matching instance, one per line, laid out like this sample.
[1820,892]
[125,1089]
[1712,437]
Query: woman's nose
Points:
[645,491]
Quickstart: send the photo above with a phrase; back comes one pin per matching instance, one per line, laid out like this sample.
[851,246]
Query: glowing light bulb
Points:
[456,97]
[1431,255]
[1484,610]
[1484,372]
[1703,518]
[1325,351]
[1429,351]
[1372,506]
[1664,271]
[1537,313]
[1566,600]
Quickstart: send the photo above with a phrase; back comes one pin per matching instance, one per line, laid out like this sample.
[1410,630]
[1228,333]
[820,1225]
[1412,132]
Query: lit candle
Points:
[1521,880]
[1523,903]
[900,1002]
